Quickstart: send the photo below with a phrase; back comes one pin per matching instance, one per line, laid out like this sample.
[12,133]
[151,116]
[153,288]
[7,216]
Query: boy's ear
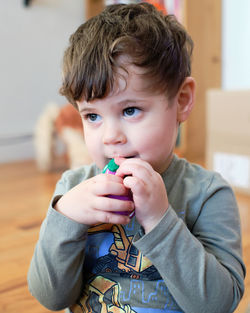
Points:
[185,99]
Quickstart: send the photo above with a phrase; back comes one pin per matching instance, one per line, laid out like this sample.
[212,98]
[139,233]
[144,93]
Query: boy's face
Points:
[131,123]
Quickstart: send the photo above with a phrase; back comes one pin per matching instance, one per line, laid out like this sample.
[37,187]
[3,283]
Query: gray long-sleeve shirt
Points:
[190,262]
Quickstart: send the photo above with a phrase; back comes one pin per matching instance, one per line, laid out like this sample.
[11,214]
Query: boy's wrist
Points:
[152,224]
[57,205]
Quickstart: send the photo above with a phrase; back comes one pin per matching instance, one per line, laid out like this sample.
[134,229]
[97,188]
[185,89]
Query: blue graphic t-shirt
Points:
[120,278]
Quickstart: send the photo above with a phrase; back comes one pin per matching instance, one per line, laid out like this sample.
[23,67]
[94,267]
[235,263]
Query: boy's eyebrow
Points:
[130,101]
[86,107]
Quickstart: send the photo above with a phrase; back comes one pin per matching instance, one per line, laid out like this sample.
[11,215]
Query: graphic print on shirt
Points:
[101,295]
[120,276]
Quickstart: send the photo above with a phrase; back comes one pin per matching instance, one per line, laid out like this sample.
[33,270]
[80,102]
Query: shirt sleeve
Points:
[202,266]
[55,273]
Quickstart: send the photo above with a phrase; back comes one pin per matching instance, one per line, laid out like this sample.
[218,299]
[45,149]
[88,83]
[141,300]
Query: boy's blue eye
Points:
[131,112]
[92,117]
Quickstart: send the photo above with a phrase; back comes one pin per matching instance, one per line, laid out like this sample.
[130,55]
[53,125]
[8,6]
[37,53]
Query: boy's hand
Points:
[148,189]
[87,203]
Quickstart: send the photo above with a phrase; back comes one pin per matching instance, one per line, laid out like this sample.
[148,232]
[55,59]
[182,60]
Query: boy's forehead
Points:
[140,78]
[130,76]
[130,86]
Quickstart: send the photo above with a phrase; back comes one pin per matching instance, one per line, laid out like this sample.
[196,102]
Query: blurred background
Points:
[40,135]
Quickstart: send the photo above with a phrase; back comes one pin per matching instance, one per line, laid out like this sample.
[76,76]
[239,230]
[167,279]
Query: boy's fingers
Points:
[112,218]
[110,188]
[119,160]
[133,183]
[105,178]
[138,188]
[107,204]
[136,168]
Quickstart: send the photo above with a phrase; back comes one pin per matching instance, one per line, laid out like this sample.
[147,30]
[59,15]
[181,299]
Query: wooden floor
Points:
[24,197]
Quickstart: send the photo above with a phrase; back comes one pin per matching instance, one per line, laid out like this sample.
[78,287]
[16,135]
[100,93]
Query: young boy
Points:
[127,71]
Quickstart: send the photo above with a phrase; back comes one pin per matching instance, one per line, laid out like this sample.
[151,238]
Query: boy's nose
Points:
[113,134]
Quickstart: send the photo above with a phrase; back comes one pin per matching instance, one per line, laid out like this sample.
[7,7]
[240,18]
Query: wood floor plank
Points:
[25,194]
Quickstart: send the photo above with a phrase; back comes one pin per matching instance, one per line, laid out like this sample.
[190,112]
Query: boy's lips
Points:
[121,156]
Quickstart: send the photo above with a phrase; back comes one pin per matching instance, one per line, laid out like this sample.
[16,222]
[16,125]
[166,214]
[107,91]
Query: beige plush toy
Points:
[60,128]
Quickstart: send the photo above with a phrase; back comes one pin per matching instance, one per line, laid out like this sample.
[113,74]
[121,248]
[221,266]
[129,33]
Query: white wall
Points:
[235,44]
[32,42]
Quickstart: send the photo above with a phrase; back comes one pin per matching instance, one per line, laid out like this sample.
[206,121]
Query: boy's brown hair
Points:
[157,43]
